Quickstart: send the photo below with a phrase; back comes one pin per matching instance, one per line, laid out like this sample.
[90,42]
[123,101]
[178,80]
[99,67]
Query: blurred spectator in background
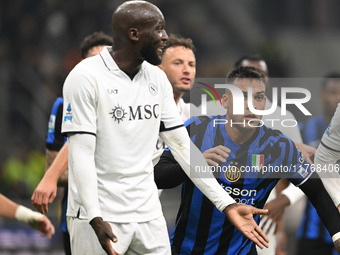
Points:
[22,172]
[313,238]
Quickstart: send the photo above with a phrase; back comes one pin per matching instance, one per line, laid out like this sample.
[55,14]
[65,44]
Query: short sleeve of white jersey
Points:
[79,113]
[331,137]
[170,117]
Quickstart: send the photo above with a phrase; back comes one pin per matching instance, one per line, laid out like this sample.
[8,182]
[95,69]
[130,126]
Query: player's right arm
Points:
[323,204]
[82,148]
[79,123]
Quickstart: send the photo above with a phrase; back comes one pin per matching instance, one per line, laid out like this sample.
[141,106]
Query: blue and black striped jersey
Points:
[311,226]
[54,142]
[250,173]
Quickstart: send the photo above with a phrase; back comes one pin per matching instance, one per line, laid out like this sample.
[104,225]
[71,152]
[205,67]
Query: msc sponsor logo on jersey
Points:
[140,112]
[232,173]
[68,115]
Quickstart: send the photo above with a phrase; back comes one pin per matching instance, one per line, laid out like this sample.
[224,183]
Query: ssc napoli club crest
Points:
[153,89]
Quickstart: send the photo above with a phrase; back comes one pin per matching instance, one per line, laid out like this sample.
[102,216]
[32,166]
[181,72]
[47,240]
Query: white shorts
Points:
[133,238]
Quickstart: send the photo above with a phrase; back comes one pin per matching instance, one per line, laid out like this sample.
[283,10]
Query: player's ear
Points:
[134,34]
[225,99]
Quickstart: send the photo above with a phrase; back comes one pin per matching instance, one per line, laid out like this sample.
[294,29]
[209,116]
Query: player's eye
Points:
[259,98]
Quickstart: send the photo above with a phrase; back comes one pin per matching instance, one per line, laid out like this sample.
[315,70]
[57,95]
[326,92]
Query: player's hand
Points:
[105,236]
[44,194]
[307,151]
[216,155]
[276,208]
[241,216]
[44,226]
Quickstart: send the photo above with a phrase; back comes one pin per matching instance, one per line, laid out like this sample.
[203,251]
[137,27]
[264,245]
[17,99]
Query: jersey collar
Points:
[107,58]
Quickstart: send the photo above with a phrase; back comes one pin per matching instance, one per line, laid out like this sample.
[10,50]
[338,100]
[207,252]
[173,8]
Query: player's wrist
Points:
[229,207]
[27,215]
[51,175]
[96,222]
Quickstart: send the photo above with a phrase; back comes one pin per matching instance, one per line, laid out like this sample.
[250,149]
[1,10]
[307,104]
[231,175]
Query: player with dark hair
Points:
[56,142]
[253,60]
[247,176]
[313,237]
[116,105]
[94,43]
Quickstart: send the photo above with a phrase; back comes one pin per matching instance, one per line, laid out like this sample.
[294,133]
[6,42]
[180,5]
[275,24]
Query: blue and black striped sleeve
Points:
[55,140]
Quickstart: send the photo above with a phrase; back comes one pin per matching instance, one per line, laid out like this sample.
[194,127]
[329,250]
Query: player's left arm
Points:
[326,159]
[319,197]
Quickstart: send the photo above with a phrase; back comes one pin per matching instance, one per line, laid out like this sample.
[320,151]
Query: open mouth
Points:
[186,81]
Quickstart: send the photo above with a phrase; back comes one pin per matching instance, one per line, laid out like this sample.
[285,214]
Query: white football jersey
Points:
[125,116]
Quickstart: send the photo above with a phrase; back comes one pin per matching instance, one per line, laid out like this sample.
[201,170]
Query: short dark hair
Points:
[254,57]
[246,72]
[176,40]
[329,77]
[93,40]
